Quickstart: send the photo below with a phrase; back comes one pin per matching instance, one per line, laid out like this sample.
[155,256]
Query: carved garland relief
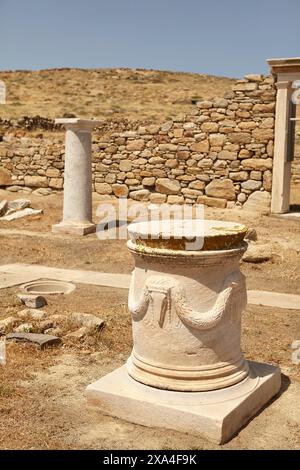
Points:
[165,291]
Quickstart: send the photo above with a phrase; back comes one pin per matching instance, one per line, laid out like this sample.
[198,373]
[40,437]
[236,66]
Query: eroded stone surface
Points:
[259,201]
[24,328]
[7,324]
[42,340]
[32,313]
[3,207]
[257,253]
[19,204]
[32,301]
[87,320]
[223,189]
[175,235]
[20,214]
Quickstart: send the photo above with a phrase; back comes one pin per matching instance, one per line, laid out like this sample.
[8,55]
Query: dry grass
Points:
[102,93]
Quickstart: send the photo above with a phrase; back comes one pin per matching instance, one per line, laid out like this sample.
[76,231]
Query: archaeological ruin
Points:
[189,327]
[186,311]
[228,153]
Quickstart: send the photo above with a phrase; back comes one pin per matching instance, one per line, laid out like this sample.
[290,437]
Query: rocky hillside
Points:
[134,94]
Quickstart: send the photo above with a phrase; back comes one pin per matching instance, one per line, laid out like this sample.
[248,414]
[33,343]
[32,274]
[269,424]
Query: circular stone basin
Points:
[48,287]
[189,234]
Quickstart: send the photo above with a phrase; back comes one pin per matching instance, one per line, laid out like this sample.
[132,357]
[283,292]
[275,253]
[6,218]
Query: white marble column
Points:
[77,211]
[2,92]
[281,167]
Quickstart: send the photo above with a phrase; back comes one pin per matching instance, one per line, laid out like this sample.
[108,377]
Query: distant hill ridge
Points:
[135,94]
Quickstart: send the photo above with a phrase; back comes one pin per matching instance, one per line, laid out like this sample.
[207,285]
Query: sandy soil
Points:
[42,401]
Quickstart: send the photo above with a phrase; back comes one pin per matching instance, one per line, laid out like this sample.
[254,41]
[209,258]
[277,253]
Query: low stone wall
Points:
[221,155]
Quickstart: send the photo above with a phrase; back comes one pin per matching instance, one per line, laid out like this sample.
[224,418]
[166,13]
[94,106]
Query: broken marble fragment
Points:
[32,301]
[41,339]
[22,213]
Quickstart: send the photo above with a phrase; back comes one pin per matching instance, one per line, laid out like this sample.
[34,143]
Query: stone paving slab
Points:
[29,272]
[18,273]
[274,299]
[288,215]
[11,279]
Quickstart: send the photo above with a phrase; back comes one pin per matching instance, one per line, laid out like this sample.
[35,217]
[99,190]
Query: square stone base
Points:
[74,228]
[215,415]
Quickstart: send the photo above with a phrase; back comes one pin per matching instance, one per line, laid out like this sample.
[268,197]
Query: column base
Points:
[216,415]
[74,228]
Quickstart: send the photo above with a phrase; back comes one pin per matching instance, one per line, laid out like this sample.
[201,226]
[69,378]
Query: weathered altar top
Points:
[187,235]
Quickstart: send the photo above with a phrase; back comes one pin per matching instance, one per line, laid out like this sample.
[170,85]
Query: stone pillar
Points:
[77,210]
[2,92]
[187,371]
[281,167]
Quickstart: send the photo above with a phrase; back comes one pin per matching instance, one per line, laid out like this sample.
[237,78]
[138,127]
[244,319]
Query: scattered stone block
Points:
[3,207]
[42,192]
[87,320]
[20,214]
[24,328]
[32,313]
[259,201]
[32,301]
[257,253]
[18,204]
[12,189]
[54,331]
[46,325]
[78,334]
[42,340]
[7,323]
[251,235]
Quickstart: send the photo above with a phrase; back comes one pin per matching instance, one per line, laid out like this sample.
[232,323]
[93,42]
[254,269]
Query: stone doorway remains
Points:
[286,164]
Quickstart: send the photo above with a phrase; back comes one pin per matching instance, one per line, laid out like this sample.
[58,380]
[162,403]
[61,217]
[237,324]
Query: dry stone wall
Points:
[220,155]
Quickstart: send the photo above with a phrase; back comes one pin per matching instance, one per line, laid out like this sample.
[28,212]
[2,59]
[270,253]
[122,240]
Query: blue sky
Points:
[228,38]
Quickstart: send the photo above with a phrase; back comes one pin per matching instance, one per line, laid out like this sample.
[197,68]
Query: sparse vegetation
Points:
[101,93]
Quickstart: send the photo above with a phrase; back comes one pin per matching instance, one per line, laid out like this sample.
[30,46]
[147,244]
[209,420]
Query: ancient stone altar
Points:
[77,212]
[187,371]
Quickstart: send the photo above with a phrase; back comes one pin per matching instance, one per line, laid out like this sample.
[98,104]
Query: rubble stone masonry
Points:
[220,155]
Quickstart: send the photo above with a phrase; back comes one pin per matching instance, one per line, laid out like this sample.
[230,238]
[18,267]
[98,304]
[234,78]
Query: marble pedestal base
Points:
[74,228]
[216,415]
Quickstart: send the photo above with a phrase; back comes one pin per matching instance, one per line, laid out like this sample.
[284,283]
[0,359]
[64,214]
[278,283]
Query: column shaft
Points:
[77,211]
[78,177]
[281,167]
